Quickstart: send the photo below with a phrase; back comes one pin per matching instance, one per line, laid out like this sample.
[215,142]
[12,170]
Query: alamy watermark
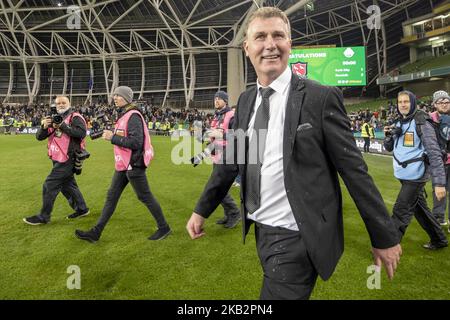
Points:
[238,147]
[74,280]
[374,20]
[74,19]
[374,280]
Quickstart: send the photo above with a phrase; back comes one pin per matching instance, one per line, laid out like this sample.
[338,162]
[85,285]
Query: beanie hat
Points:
[222,95]
[441,94]
[124,92]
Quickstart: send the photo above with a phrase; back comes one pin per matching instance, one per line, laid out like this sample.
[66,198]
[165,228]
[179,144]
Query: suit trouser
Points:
[439,207]
[411,201]
[61,179]
[288,271]
[138,180]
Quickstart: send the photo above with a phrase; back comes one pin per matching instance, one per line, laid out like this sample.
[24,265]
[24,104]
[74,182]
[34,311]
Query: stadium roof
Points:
[45,31]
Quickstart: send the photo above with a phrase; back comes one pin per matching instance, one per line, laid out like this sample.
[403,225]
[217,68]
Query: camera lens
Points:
[57,119]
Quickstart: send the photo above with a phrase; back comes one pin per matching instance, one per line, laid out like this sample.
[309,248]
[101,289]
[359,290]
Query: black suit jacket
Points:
[317,145]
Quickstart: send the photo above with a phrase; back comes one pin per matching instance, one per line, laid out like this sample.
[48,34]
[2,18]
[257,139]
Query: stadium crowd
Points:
[165,120]
[162,121]
[384,116]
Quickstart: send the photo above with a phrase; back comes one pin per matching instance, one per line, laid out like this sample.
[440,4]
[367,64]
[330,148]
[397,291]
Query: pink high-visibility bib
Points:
[221,143]
[122,156]
[58,147]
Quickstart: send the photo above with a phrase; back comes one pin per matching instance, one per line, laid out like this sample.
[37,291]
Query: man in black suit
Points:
[291,191]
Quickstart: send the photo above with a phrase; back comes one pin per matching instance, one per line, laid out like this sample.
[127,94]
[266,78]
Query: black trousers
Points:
[411,202]
[138,180]
[439,207]
[288,271]
[366,144]
[61,179]
[229,206]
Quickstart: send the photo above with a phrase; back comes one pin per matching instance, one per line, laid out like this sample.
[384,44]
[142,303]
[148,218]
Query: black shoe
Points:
[435,246]
[442,221]
[78,215]
[222,220]
[160,234]
[34,220]
[91,235]
[233,221]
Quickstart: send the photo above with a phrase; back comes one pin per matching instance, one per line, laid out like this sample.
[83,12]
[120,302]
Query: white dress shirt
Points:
[275,209]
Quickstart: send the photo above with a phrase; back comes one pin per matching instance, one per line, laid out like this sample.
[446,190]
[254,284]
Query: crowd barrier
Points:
[376,145]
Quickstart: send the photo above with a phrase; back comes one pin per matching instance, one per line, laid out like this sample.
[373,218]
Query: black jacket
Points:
[76,130]
[134,140]
[317,145]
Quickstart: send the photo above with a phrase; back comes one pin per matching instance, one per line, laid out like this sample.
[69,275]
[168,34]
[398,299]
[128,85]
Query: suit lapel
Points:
[248,107]
[293,109]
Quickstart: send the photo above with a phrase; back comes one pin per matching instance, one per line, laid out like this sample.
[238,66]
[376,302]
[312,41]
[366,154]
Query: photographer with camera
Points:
[416,156]
[100,123]
[221,123]
[66,132]
[133,152]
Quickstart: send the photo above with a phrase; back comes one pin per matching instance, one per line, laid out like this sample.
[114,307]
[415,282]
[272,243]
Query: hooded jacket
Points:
[435,166]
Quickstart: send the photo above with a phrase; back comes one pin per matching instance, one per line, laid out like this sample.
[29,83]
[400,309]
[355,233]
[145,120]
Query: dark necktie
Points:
[257,144]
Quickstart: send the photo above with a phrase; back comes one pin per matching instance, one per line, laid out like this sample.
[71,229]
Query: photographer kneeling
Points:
[416,155]
[66,132]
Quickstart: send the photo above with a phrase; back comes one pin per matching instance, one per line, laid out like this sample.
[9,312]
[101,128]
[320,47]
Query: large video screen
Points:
[331,66]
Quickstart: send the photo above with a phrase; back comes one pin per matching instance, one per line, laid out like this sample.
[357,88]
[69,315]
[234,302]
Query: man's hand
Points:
[107,135]
[390,257]
[440,193]
[46,122]
[195,226]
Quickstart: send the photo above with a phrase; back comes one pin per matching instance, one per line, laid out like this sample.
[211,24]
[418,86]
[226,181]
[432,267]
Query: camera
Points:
[56,117]
[393,131]
[208,151]
[80,156]
[99,124]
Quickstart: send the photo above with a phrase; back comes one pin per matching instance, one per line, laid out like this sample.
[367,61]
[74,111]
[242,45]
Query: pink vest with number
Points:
[122,156]
[59,147]
[435,117]
[220,143]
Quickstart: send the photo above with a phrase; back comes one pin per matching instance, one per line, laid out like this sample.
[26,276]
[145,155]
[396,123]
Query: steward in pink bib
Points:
[222,121]
[122,156]
[59,141]
[65,141]
[133,152]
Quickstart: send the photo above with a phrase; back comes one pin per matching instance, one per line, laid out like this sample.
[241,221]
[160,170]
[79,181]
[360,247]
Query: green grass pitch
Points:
[125,265]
